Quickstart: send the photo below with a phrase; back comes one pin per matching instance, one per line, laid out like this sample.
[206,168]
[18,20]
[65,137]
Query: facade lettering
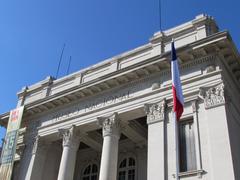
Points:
[98,103]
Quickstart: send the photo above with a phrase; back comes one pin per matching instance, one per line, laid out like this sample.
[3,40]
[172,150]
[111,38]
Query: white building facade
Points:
[113,120]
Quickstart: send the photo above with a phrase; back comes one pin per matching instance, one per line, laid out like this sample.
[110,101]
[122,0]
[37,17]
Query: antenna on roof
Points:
[160,14]
[69,64]
[60,60]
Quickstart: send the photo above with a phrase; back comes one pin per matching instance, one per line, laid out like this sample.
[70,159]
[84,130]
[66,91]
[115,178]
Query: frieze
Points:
[155,112]
[213,96]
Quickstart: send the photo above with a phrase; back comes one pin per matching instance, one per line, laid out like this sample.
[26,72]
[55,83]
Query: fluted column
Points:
[71,140]
[156,163]
[111,134]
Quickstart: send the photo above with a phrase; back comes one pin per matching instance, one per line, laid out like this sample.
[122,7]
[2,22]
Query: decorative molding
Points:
[194,106]
[35,144]
[197,173]
[213,96]
[110,125]
[210,68]
[156,111]
[70,136]
[156,86]
[20,150]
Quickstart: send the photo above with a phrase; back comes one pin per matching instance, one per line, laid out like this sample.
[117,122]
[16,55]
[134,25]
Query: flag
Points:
[178,101]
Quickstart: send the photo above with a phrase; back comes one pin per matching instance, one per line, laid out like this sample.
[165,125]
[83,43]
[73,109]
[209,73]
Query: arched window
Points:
[90,172]
[127,169]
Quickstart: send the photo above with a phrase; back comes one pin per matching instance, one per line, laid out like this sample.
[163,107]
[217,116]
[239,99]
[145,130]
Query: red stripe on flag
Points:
[177,106]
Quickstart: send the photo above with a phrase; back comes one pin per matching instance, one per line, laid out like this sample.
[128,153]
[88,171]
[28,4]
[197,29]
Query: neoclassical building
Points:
[113,120]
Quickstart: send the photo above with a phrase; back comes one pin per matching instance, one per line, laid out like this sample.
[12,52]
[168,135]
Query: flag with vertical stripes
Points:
[178,101]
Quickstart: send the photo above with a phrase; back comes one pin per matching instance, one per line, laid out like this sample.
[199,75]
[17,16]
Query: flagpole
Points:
[177,144]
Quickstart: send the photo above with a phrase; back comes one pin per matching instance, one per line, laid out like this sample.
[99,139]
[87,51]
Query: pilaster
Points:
[38,157]
[156,140]
[215,99]
[197,137]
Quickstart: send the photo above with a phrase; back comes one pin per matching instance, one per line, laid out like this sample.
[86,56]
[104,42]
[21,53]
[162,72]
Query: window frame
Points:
[127,168]
[91,173]
[181,124]
[193,116]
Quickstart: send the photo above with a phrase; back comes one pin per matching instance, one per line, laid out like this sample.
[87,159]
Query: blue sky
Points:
[32,33]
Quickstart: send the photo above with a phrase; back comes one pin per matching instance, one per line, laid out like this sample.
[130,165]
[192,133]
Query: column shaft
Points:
[67,165]
[108,169]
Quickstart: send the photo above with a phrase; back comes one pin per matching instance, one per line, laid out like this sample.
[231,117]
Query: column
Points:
[70,145]
[156,140]
[38,157]
[111,134]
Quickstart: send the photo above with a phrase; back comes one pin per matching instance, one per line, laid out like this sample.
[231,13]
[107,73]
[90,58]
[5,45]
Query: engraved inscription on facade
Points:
[101,102]
[93,105]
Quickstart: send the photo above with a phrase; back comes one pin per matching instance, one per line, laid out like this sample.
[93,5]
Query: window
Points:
[187,146]
[127,169]
[90,172]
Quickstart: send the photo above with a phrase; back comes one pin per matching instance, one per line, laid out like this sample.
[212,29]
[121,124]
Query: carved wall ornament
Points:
[110,125]
[35,144]
[210,68]
[20,150]
[156,86]
[213,96]
[155,112]
[194,106]
[70,137]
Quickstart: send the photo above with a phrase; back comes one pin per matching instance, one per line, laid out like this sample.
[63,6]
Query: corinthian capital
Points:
[213,96]
[110,125]
[70,136]
[155,112]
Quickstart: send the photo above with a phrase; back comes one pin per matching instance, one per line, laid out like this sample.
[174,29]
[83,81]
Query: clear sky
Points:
[32,33]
